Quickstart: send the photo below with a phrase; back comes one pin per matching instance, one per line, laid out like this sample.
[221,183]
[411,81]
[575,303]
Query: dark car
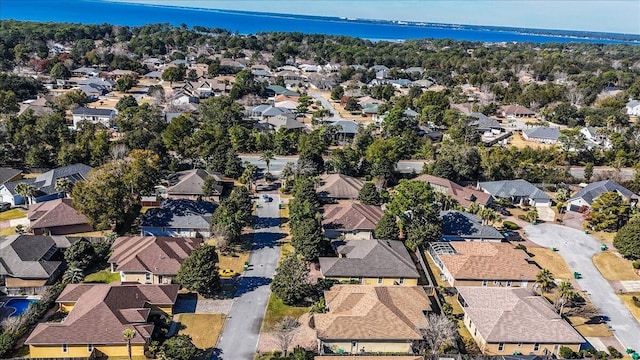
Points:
[4,206]
[512,236]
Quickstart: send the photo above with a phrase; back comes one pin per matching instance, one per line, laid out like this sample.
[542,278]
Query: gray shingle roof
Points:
[28,256]
[8,173]
[466,225]
[484,122]
[45,183]
[180,213]
[370,258]
[190,182]
[543,133]
[93,111]
[509,188]
[346,126]
[590,192]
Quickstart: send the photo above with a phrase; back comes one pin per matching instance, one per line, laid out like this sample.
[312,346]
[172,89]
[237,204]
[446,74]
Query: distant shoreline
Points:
[568,34]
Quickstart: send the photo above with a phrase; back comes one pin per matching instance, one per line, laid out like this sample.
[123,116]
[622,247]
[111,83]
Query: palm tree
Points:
[26,191]
[566,293]
[129,335]
[267,156]
[73,276]
[544,279]
[64,185]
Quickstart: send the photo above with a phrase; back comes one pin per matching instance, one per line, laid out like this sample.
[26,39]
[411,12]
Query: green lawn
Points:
[104,276]
[8,231]
[12,214]
[277,310]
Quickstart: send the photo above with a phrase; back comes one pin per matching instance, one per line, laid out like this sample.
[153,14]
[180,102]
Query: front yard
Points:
[277,310]
[103,276]
[7,231]
[587,329]
[204,329]
[12,214]
[614,267]
[627,299]
[548,259]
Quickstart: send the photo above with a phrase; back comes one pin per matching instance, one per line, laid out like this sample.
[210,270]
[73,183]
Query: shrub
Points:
[636,301]
[520,247]
[509,225]
[614,352]
[522,217]
[567,353]
[636,265]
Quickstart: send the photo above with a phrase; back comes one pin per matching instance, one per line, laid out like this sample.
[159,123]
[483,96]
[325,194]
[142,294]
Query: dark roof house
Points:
[29,261]
[463,226]
[189,184]
[587,195]
[518,191]
[178,218]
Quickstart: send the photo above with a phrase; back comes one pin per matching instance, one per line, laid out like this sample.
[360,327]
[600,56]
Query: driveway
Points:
[335,116]
[577,249]
[239,338]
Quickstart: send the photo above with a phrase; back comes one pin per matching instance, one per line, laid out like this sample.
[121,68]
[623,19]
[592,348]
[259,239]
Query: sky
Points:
[619,16]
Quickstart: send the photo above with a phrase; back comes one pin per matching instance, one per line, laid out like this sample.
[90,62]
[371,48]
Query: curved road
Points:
[577,249]
[241,332]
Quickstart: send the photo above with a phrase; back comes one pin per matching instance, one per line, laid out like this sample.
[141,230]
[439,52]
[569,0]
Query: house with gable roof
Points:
[150,259]
[57,217]
[353,221]
[97,315]
[178,218]
[541,134]
[632,107]
[519,192]
[371,262]
[584,198]
[339,186]
[465,196]
[189,185]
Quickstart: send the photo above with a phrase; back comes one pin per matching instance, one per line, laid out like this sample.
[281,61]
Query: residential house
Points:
[541,134]
[594,138]
[93,91]
[584,198]
[153,75]
[401,83]
[508,320]
[633,108]
[371,319]
[339,186]
[463,226]
[381,71]
[44,183]
[150,259]
[104,117]
[287,104]
[352,221]
[102,85]
[178,218]
[414,70]
[371,262]
[27,263]
[98,314]
[85,72]
[57,217]
[346,129]
[464,196]
[264,113]
[189,185]
[9,175]
[278,122]
[485,125]
[519,192]
[273,90]
[516,111]
[182,97]
[472,263]
[38,107]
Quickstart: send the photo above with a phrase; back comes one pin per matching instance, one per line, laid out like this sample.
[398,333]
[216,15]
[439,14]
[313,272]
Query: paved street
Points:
[335,116]
[240,335]
[276,165]
[577,249]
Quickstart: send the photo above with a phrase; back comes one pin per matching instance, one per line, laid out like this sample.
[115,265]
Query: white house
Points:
[584,198]
[545,135]
[105,117]
[633,108]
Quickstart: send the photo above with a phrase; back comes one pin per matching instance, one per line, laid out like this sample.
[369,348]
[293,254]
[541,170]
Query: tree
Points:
[369,194]
[209,188]
[627,240]
[337,93]
[352,105]
[267,156]
[488,216]
[290,283]
[27,191]
[177,135]
[60,71]
[387,228]
[284,332]
[306,238]
[126,102]
[199,272]
[128,335]
[420,226]
[73,276]
[249,175]
[173,74]
[440,333]
[609,212]
[234,213]
[80,254]
[544,280]
[63,185]
[566,294]
[8,102]
[178,347]
[125,83]
[588,171]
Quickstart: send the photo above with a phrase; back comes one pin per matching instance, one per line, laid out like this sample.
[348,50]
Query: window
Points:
[485,282]
[90,348]
[536,347]
[360,280]
[519,344]
[147,277]
[65,349]
[475,332]
[401,281]
[496,282]
[500,346]
[379,280]
[509,282]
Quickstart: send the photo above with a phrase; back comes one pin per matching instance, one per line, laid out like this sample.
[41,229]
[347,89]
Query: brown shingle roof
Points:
[55,213]
[352,216]
[340,186]
[463,195]
[359,312]
[488,261]
[102,312]
[190,182]
[515,315]
[157,255]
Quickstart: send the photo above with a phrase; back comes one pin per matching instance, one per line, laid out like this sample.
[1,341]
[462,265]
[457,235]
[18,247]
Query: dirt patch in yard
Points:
[627,299]
[548,259]
[614,267]
[204,329]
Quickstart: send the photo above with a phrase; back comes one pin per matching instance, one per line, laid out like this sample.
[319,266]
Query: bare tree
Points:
[285,330]
[119,151]
[441,332]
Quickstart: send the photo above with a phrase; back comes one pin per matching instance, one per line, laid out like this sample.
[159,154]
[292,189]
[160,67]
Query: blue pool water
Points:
[20,306]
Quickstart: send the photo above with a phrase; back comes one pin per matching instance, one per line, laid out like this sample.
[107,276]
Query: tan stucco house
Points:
[352,221]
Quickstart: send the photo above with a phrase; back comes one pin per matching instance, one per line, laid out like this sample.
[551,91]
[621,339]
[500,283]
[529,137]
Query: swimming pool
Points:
[17,306]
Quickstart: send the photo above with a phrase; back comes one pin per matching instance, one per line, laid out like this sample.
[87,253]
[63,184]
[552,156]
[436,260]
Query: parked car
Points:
[4,206]
[512,236]
[266,198]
